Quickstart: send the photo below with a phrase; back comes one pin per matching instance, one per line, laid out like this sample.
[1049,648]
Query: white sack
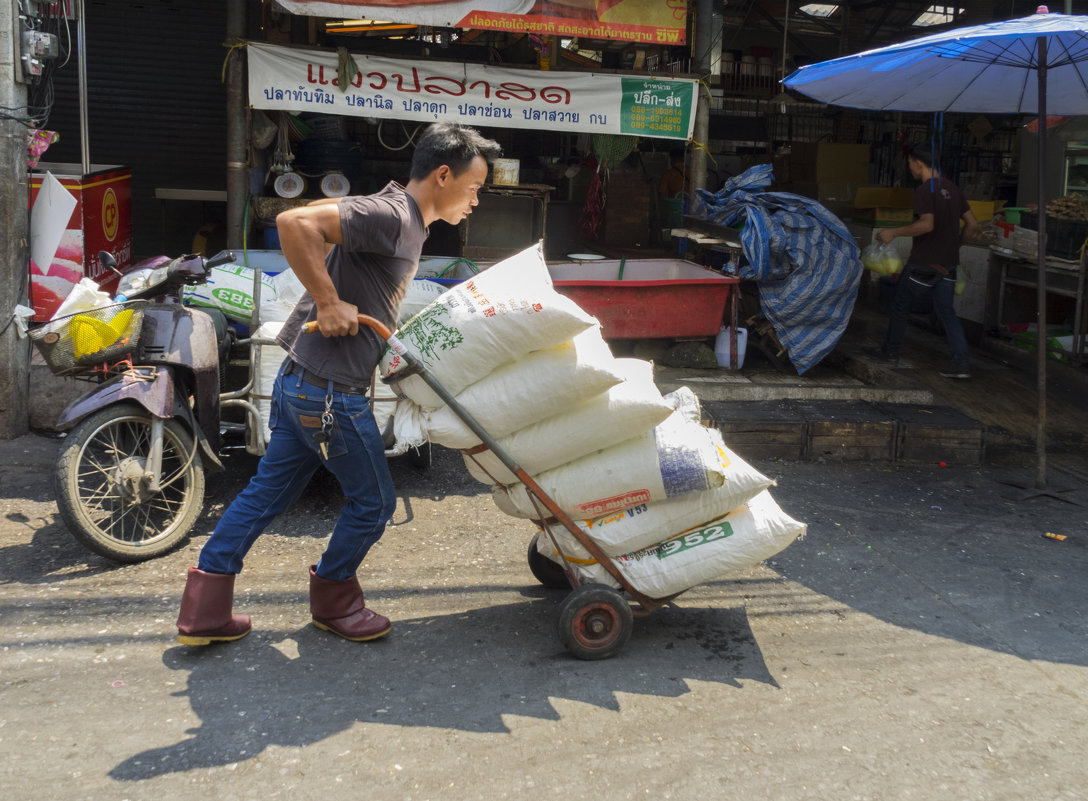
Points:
[421,293]
[643,525]
[537,386]
[493,318]
[278,306]
[383,402]
[229,289]
[270,358]
[408,428]
[624,411]
[736,541]
[686,403]
[674,458]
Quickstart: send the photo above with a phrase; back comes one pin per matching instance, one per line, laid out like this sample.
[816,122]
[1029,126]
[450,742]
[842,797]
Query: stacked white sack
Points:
[737,541]
[495,317]
[538,385]
[631,407]
[675,458]
[648,523]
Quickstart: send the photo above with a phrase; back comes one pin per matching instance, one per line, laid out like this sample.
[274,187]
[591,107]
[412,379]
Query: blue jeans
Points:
[356,456]
[914,284]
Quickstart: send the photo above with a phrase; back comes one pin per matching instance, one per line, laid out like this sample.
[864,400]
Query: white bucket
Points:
[722,350]
[505,171]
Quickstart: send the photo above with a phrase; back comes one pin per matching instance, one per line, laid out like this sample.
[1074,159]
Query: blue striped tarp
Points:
[805,261]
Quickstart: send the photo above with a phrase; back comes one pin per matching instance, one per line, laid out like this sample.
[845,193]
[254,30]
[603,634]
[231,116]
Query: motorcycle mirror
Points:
[106,259]
[223,257]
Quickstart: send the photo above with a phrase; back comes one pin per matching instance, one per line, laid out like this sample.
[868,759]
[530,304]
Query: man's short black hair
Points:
[922,153]
[453,145]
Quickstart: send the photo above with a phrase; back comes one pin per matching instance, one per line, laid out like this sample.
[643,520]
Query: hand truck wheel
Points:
[548,573]
[594,622]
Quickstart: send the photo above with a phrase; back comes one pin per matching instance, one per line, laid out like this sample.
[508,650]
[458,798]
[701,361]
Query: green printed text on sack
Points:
[693,539]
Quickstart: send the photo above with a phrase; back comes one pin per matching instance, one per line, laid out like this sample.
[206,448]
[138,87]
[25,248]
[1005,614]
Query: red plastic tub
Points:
[655,299]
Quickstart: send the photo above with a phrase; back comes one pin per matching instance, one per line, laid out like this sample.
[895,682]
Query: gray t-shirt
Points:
[383,237]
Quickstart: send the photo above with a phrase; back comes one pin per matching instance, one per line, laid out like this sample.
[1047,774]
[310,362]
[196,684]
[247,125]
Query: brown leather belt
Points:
[318,381]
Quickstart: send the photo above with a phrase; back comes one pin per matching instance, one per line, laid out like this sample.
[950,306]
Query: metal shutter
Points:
[156,104]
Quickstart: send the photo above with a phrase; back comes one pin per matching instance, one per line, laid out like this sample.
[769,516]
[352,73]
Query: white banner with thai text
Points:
[289,79]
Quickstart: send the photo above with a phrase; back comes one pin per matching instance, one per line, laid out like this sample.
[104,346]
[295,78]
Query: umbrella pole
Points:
[1040,435]
[1040,431]
[1041,487]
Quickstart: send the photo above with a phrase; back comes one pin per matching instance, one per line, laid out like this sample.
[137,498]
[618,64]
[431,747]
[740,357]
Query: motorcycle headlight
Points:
[133,282]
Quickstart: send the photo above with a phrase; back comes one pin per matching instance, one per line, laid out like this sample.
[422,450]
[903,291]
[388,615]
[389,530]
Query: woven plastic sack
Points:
[643,525]
[230,289]
[419,295]
[607,419]
[271,358]
[736,541]
[539,385]
[674,458]
[493,318]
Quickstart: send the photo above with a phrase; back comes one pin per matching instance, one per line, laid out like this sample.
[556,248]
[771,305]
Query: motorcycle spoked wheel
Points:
[103,497]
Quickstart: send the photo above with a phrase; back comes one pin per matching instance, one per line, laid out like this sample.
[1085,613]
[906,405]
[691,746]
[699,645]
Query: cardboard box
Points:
[841,163]
[984,210]
[838,198]
[868,197]
[884,206]
[884,216]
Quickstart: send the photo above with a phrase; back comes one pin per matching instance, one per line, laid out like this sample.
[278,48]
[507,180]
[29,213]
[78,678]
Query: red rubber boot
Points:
[339,607]
[205,615]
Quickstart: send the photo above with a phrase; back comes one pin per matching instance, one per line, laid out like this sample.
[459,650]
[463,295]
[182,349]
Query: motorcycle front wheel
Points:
[105,498]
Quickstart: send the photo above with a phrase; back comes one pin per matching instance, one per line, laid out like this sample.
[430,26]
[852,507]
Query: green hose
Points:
[452,264]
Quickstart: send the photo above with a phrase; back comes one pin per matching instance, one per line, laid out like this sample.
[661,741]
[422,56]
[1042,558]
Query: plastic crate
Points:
[78,341]
[1064,238]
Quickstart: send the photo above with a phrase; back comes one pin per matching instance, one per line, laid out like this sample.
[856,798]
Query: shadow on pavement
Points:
[948,552]
[434,672]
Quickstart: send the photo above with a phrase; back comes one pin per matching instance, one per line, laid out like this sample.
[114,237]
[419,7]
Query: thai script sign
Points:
[290,79]
[648,21]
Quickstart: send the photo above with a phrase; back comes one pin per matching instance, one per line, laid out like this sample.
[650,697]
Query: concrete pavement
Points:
[923,641]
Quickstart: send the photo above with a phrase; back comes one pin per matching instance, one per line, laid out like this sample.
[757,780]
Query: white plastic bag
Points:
[85,296]
[495,317]
[881,259]
[736,541]
[623,411]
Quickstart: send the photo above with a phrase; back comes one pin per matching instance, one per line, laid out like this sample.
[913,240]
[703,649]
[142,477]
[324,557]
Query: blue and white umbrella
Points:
[988,69]
[1036,65]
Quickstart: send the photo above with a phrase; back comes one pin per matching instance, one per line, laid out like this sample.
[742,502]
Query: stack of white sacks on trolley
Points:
[660,493]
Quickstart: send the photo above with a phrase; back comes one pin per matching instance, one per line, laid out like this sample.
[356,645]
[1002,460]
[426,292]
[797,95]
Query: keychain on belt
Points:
[323,436]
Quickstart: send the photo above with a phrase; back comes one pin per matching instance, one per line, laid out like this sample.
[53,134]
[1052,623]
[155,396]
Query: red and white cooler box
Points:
[102,220]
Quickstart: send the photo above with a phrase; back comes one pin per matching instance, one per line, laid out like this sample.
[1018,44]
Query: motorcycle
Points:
[130,476]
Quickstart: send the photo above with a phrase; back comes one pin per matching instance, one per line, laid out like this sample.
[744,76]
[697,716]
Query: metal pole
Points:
[705,38]
[237,130]
[84,127]
[1040,431]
